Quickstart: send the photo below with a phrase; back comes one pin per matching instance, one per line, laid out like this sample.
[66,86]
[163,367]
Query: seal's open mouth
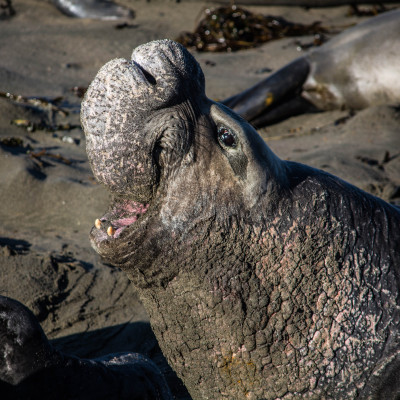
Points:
[121,215]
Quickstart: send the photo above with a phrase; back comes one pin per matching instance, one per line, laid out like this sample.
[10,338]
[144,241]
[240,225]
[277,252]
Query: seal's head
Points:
[171,157]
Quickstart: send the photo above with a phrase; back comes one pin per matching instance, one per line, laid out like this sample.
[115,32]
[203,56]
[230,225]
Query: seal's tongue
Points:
[121,215]
[118,104]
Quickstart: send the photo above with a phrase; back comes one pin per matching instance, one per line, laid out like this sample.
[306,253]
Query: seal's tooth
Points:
[110,231]
[97,223]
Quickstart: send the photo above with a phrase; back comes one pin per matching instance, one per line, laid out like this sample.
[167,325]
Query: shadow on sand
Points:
[134,337]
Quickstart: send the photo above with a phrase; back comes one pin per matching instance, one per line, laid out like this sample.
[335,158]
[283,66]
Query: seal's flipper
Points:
[289,107]
[283,85]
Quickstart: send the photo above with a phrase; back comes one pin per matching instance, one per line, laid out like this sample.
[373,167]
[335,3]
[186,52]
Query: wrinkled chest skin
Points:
[263,279]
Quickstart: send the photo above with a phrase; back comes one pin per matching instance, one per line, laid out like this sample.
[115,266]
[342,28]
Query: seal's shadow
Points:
[11,246]
[135,337]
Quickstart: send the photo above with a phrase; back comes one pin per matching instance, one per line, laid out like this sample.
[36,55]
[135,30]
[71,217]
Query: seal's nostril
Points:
[150,78]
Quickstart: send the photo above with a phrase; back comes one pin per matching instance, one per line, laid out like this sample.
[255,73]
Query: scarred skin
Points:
[263,279]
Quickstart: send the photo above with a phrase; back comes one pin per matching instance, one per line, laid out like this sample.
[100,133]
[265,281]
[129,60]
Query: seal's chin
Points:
[122,214]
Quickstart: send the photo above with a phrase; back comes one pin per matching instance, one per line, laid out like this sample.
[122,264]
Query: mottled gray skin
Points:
[30,368]
[263,279]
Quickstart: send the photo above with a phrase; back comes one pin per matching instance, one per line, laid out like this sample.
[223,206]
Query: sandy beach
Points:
[50,200]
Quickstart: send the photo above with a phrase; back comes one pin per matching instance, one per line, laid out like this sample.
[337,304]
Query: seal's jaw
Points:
[124,218]
[122,214]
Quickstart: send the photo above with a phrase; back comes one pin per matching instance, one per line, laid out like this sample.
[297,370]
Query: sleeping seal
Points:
[263,278]
[30,368]
[94,9]
[356,69]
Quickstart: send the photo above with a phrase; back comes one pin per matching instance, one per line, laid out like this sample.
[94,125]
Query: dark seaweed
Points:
[11,142]
[40,103]
[47,108]
[234,28]
[31,126]
[39,155]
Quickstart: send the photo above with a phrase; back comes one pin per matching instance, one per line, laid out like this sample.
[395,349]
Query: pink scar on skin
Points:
[136,208]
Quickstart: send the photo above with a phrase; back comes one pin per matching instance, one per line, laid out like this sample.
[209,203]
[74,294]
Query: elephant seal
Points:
[356,69]
[263,278]
[30,368]
[93,9]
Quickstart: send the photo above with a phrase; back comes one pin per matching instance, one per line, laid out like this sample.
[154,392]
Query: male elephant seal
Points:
[30,368]
[263,278]
[358,68]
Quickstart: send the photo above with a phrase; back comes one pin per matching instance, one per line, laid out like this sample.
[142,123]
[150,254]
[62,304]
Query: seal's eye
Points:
[226,137]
